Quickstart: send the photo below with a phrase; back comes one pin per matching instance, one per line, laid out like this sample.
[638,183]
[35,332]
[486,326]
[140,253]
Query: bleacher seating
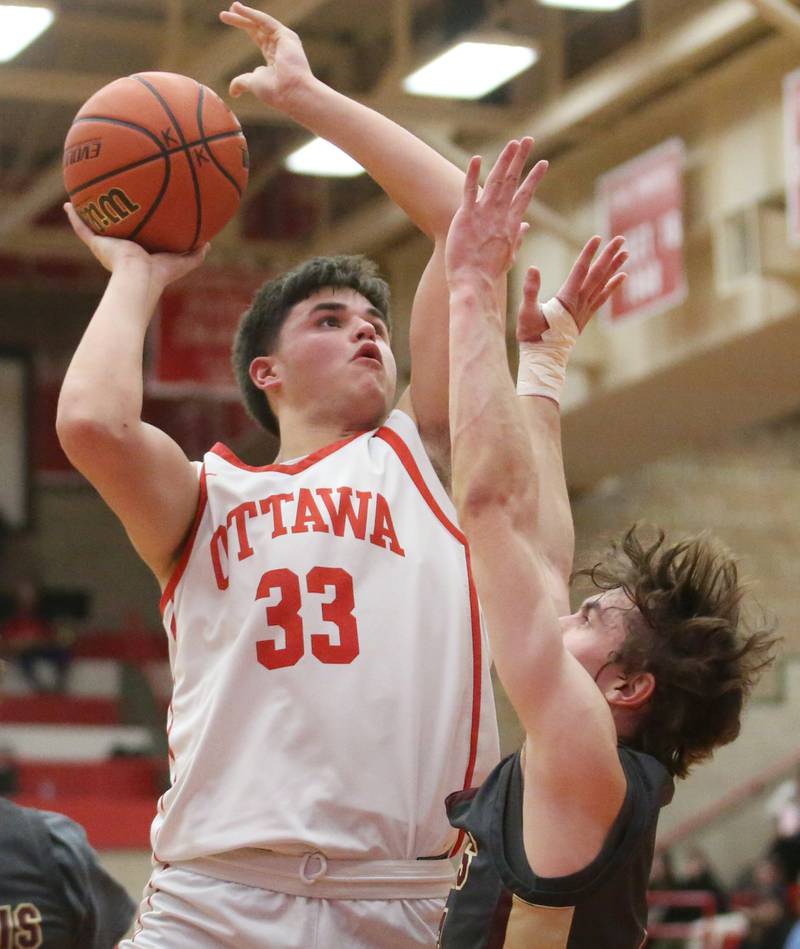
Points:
[74,754]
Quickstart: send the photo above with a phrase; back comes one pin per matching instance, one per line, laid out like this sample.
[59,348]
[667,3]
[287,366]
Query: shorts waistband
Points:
[313,874]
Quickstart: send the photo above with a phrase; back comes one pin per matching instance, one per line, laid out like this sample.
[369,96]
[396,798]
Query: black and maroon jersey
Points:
[498,902]
[53,892]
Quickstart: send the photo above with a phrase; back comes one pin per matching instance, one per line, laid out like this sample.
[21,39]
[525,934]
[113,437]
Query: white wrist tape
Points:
[543,365]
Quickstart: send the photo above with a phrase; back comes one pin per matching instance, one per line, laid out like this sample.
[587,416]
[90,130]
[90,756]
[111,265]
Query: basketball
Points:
[156,158]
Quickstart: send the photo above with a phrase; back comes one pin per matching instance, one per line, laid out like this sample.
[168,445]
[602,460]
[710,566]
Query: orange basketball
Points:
[156,158]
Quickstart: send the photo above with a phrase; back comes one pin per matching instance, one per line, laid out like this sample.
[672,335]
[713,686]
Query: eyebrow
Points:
[338,307]
[589,606]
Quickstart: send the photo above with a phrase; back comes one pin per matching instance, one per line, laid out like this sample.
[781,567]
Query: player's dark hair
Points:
[260,325]
[690,634]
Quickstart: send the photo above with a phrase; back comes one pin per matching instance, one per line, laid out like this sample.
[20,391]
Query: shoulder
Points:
[23,820]
[465,808]
[67,837]
[646,776]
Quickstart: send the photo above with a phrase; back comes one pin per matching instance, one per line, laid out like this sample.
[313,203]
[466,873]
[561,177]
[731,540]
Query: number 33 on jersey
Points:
[327,655]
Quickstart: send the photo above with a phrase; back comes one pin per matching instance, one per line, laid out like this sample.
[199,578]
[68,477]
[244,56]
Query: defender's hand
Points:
[487,229]
[586,289]
[286,68]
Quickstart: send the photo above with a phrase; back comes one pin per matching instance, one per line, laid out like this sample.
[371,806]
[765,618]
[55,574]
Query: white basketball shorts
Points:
[182,909]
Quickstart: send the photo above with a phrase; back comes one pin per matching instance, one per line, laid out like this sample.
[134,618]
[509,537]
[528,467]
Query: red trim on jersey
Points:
[403,452]
[295,467]
[177,573]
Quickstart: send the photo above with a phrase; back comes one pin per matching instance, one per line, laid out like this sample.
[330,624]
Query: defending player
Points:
[616,699]
[330,677]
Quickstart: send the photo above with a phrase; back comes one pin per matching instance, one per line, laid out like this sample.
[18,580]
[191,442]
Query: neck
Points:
[301,437]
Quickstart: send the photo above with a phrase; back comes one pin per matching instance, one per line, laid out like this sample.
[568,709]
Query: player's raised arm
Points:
[418,179]
[571,740]
[546,334]
[141,473]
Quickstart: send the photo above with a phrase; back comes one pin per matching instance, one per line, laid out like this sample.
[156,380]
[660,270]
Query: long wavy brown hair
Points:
[689,632]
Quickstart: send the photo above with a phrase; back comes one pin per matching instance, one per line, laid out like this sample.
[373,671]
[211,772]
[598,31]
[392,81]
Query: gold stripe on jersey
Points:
[546,927]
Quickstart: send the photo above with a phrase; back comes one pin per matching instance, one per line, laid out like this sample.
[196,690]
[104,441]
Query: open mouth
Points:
[369,351]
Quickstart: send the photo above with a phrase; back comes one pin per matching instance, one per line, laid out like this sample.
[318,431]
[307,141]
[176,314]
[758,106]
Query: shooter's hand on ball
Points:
[286,70]
[113,251]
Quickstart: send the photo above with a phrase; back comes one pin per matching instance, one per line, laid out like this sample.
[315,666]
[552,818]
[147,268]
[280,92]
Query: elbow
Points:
[495,501]
[84,435]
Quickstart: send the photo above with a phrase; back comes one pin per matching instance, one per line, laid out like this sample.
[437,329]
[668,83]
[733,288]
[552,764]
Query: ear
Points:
[631,692]
[264,374]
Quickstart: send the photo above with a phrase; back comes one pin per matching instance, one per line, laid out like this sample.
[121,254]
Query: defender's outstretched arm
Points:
[543,362]
[574,781]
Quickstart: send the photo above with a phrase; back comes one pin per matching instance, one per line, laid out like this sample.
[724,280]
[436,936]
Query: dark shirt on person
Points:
[498,902]
[53,892]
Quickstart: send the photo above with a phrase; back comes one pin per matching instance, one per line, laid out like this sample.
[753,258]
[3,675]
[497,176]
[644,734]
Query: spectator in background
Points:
[699,875]
[783,806]
[662,880]
[769,918]
[53,892]
[30,640]
[793,939]
[662,872]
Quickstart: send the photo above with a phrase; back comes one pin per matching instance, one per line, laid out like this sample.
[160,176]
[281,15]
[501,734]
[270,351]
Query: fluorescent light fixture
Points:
[603,5]
[470,70]
[320,158]
[19,27]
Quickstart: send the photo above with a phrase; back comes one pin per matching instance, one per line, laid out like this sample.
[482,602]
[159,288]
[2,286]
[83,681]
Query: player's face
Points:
[333,357]
[595,632]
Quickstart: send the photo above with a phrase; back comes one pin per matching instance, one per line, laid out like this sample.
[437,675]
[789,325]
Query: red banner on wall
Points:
[791,131]
[643,200]
[191,338]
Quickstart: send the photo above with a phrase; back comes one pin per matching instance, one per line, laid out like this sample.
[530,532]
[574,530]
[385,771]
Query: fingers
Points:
[240,84]
[471,181]
[524,194]
[501,167]
[518,162]
[530,319]
[84,232]
[253,30]
[570,292]
[197,256]
[502,183]
[521,232]
[253,17]
[532,286]
[603,269]
[264,30]
[602,266]
[607,292]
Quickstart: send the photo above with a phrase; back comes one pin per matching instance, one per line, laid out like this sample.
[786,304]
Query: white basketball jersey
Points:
[331,677]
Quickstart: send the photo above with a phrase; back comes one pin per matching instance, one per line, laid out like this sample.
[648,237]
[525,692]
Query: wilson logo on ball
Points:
[81,152]
[108,209]
[169,142]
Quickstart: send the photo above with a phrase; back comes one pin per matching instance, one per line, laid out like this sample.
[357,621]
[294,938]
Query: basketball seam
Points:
[170,114]
[217,164]
[156,202]
[165,153]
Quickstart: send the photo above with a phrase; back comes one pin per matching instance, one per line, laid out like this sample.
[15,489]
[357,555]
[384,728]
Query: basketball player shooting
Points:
[330,673]
[616,699]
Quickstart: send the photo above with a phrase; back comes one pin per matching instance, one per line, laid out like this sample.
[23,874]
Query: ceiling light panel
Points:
[470,70]
[324,160]
[19,27]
